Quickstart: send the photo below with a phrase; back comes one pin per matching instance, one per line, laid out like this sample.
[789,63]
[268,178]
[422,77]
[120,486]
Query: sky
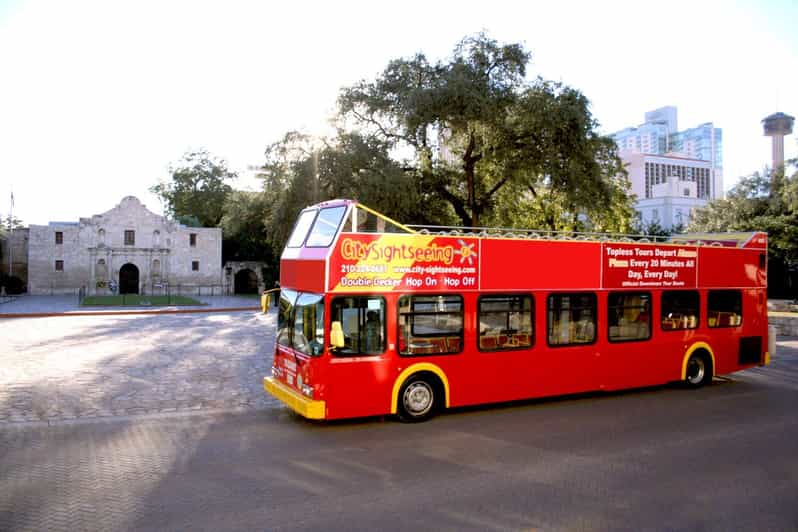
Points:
[98,98]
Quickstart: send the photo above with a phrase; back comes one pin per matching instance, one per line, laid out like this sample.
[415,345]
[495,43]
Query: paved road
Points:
[77,367]
[721,458]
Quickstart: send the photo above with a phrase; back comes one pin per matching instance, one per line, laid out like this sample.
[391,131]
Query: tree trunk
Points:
[469,165]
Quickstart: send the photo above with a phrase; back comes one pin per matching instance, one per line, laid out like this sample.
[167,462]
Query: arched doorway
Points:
[246,282]
[129,279]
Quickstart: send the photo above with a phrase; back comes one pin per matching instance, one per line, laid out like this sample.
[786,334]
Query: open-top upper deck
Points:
[343,246]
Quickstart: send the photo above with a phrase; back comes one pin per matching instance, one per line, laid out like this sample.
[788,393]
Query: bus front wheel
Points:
[419,398]
[699,370]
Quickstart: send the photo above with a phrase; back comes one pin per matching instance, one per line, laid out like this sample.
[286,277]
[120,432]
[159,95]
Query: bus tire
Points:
[699,370]
[419,398]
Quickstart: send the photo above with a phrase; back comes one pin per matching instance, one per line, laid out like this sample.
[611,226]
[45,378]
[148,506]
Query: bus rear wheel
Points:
[418,399]
[698,371]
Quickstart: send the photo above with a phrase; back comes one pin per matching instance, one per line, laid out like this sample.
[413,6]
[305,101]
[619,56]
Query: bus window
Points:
[284,326]
[572,319]
[308,334]
[505,322]
[724,308]
[326,225]
[362,320]
[301,228]
[629,316]
[430,324]
[679,310]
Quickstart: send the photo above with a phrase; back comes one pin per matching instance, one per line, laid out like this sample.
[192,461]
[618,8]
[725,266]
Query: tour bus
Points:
[378,318]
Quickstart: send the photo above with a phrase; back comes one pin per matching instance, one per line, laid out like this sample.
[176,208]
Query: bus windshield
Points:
[325,226]
[301,228]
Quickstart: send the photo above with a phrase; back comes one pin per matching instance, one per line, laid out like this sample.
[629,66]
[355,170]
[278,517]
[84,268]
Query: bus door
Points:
[630,358]
[571,363]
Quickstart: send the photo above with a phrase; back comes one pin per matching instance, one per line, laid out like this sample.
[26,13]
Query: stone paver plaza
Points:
[60,368]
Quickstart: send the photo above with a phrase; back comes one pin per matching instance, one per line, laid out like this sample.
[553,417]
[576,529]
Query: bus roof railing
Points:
[703,239]
[533,234]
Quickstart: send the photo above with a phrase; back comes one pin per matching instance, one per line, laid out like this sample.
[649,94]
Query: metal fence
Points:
[166,289]
[163,289]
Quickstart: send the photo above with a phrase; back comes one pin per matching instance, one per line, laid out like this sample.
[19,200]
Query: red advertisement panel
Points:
[649,266]
[364,262]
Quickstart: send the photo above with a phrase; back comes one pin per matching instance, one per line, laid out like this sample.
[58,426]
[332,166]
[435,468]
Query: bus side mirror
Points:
[336,335]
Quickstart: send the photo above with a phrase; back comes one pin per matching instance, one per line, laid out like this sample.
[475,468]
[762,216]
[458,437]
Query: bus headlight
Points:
[276,372]
[307,390]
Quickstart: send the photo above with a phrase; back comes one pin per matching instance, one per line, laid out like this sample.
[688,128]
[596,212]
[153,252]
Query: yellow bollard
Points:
[264,303]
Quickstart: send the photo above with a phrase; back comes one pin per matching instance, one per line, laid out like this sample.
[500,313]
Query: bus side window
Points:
[430,325]
[679,310]
[505,322]
[724,308]
[571,319]
[363,323]
[629,316]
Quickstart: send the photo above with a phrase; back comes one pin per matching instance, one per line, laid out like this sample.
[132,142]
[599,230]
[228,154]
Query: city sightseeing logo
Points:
[466,252]
[355,250]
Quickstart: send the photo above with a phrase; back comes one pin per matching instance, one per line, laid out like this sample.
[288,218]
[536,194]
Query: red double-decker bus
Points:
[380,318]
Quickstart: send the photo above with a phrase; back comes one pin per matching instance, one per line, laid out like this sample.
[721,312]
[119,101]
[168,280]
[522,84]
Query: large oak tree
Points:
[476,128]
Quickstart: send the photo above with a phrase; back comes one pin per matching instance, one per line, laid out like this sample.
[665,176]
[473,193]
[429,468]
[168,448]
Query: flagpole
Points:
[10,230]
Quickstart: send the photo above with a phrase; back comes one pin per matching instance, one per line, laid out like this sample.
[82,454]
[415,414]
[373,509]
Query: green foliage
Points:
[244,227]
[654,229]
[189,220]
[766,201]
[8,223]
[302,171]
[198,188]
[476,128]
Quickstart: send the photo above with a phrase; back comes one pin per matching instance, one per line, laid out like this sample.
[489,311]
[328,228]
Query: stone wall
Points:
[786,325]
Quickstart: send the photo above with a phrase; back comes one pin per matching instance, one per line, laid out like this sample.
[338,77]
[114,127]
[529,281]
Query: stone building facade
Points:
[128,249]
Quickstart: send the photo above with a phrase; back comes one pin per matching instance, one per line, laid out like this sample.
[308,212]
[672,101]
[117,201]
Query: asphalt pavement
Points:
[723,457]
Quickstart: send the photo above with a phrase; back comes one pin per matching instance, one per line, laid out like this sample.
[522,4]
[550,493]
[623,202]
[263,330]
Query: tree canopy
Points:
[244,227]
[476,128]
[197,190]
[301,170]
[468,140]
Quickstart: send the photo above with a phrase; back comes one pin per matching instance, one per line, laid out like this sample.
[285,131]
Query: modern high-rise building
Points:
[671,172]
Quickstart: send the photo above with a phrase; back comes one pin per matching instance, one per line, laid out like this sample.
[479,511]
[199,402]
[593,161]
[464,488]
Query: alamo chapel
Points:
[127,250]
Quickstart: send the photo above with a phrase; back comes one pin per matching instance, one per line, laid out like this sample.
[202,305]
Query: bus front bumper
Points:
[300,404]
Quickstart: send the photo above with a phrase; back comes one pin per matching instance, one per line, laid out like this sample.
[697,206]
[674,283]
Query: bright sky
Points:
[97,98]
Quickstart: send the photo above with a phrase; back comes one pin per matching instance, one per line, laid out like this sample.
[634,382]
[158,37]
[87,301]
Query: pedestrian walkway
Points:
[69,304]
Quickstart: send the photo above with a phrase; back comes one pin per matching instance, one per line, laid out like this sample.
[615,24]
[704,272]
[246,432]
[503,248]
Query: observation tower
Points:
[777,126]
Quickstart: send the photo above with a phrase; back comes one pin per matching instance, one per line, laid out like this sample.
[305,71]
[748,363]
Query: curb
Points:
[125,312]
